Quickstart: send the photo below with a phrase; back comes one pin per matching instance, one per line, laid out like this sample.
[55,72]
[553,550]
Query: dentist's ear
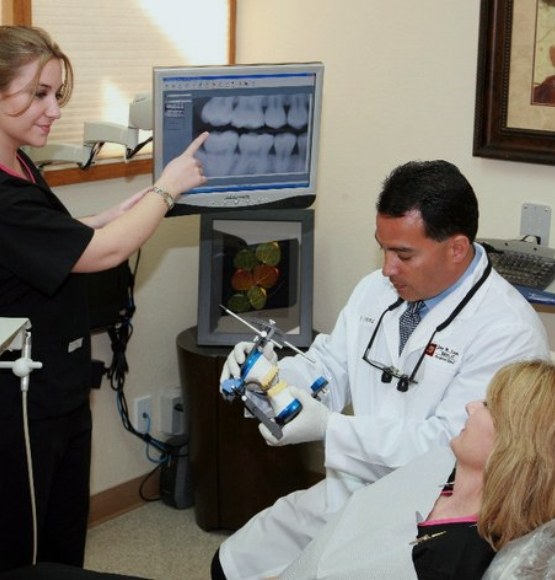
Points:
[460,246]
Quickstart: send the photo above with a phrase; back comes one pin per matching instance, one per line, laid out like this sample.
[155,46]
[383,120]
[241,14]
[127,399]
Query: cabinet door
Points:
[235,474]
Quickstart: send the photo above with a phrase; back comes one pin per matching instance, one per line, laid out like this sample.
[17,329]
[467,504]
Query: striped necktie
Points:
[409,321]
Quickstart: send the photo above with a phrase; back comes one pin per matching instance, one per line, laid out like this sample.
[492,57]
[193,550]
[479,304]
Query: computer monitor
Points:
[264,124]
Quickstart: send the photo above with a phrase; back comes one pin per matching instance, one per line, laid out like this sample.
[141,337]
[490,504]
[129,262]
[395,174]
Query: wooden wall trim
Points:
[231,49]
[122,498]
[22,12]
[100,172]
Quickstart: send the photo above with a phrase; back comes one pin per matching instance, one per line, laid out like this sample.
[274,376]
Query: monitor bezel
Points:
[282,198]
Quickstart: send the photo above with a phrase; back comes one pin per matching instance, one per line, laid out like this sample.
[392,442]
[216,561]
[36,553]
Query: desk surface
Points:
[187,339]
[539,297]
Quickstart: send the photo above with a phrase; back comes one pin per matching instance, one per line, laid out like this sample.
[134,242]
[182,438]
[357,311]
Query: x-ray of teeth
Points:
[297,115]
[275,115]
[254,153]
[228,153]
[257,112]
[302,146]
[284,143]
[248,113]
[218,111]
[255,134]
[219,154]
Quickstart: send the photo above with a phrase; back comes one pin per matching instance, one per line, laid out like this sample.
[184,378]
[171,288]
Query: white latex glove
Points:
[309,425]
[232,365]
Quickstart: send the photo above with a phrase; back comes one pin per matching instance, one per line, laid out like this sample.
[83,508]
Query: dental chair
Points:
[531,557]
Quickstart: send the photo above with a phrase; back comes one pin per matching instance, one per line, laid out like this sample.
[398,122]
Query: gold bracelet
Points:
[168,199]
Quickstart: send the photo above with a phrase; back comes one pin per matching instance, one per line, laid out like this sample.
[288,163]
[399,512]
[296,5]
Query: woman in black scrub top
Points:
[44,253]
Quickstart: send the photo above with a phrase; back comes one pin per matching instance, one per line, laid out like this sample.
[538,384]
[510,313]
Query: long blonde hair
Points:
[20,45]
[519,479]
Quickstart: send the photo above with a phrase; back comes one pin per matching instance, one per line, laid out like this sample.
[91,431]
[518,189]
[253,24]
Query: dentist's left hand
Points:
[309,425]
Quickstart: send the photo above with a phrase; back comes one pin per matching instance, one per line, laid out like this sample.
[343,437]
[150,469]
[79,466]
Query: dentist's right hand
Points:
[238,356]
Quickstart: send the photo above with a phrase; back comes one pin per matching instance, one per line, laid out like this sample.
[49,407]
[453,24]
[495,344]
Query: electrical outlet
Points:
[143,414]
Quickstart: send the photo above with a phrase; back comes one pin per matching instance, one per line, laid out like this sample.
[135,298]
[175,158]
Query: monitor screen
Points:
[264,125]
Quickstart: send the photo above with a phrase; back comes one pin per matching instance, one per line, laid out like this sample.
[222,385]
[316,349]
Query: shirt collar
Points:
[431,302]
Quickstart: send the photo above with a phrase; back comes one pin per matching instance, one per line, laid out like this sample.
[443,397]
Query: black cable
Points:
[120,334]
[95,150]
[132,152]
[144,482]
[537,239]
[490,249]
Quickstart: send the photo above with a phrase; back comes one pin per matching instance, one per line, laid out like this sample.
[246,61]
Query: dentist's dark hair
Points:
[439,191]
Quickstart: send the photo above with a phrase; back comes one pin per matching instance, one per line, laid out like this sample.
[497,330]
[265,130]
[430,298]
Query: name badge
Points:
[75,345]
[443,353]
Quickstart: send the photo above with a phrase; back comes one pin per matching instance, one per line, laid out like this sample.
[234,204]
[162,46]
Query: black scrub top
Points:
[39,244]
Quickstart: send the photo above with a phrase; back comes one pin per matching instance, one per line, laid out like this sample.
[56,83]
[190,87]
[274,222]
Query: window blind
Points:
[113,46]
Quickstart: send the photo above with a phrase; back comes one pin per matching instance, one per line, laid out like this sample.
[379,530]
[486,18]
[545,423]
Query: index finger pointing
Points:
[196,144]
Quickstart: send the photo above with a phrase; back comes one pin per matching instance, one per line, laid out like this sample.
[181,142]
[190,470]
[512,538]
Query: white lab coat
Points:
[388,428]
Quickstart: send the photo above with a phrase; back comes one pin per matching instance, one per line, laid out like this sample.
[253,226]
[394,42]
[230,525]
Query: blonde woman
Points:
[43,252]
[502,487]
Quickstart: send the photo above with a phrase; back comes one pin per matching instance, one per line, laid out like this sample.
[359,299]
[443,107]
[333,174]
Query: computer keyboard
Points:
[522,263]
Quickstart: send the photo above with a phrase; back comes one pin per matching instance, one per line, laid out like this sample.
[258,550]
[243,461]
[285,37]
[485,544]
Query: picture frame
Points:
[511,122]
[258,265]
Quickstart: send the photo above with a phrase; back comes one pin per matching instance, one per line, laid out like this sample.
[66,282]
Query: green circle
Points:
[239,303]
[257,297]
[245,259]
[269,253]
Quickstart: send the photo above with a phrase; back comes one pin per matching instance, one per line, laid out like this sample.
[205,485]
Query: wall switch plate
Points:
[535,221]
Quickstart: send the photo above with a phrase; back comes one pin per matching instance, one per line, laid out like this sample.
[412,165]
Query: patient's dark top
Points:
[451,549]
[456,553]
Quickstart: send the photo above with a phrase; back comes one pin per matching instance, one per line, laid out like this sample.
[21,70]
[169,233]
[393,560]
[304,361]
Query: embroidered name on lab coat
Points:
[442,353]
[367,319]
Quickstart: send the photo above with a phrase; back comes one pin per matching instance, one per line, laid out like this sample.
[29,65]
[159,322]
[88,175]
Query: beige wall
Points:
[399,85]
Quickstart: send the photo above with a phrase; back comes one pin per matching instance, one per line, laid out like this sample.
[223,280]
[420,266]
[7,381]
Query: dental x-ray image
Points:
[253,135]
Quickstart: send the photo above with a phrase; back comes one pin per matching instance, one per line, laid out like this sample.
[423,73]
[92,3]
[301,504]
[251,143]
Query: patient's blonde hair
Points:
[519,479]
[21,45]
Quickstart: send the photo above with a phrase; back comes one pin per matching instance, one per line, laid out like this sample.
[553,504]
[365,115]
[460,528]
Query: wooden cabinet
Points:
[235,473]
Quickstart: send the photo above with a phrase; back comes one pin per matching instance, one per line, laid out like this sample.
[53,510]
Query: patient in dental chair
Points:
[496,516]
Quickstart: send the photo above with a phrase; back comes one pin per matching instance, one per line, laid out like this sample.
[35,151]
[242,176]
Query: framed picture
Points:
[515,90]
[256,265]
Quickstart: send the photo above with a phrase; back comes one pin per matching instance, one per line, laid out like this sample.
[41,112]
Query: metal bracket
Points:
[535,220]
